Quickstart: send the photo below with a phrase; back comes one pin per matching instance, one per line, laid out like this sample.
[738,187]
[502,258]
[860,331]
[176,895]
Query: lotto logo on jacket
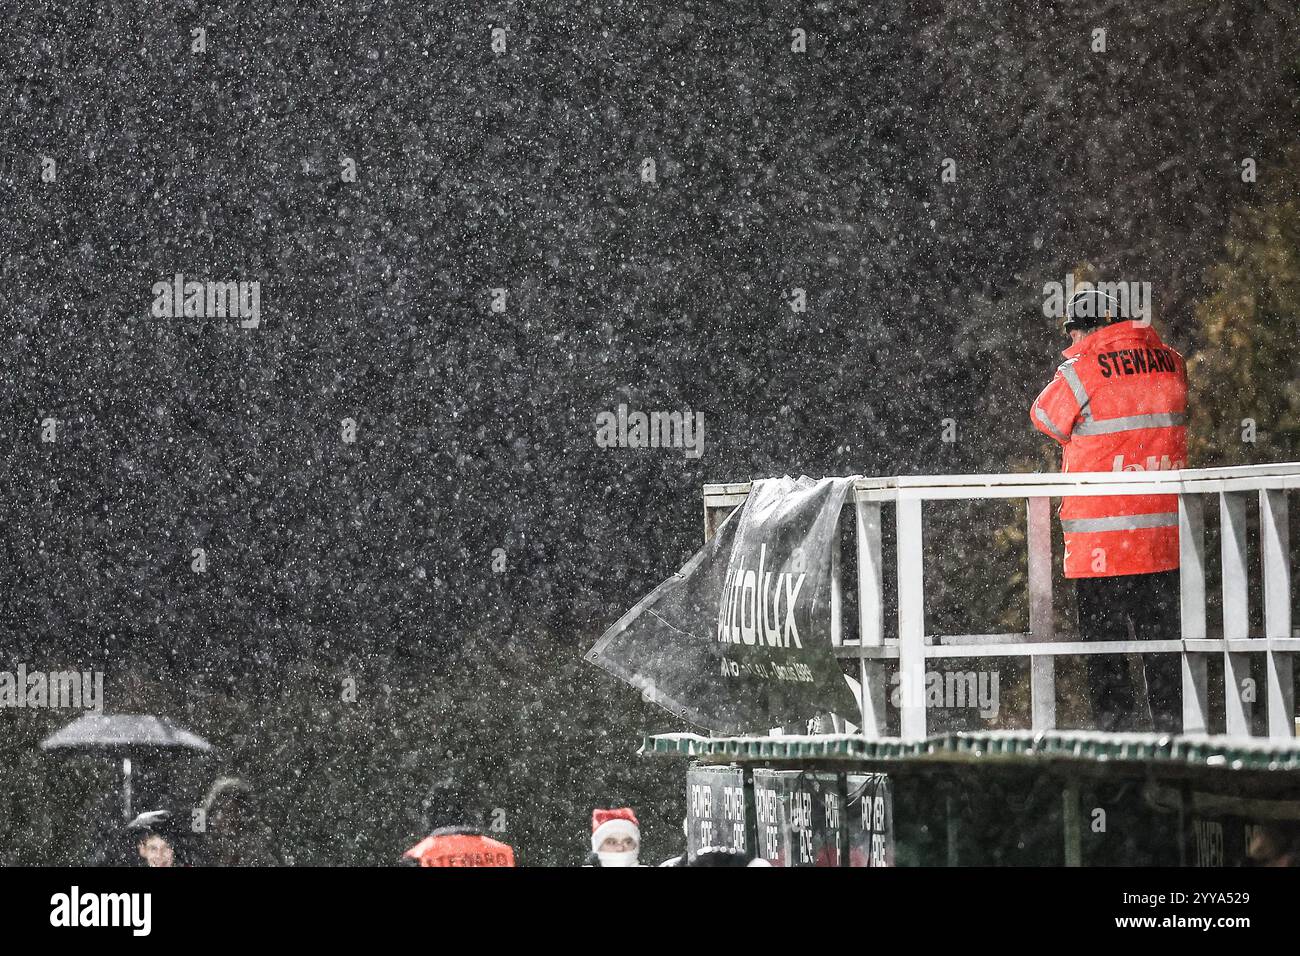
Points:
[1118,403]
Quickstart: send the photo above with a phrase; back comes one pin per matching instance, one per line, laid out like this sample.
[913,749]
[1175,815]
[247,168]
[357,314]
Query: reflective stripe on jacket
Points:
[1118,403]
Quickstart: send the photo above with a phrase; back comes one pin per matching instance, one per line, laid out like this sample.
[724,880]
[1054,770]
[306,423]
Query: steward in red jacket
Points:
[459,846]
[1119,403]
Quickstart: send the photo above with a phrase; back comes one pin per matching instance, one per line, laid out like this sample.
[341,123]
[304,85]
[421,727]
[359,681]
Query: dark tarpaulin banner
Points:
[738,640]
[715,809]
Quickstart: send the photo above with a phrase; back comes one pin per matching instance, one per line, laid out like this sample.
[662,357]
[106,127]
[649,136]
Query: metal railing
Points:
[912,648]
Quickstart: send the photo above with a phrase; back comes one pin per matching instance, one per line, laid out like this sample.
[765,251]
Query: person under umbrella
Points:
[131,738]
[155,840]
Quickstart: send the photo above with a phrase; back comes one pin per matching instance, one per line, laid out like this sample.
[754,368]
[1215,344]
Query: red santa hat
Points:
[614,823]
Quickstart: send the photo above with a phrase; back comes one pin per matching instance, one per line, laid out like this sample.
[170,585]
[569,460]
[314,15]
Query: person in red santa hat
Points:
[615,838]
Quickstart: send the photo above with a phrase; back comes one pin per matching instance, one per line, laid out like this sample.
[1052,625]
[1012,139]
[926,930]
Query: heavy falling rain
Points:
[430,427]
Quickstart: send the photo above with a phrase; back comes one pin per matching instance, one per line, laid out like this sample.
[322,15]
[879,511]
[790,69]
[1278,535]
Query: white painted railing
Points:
[912,648]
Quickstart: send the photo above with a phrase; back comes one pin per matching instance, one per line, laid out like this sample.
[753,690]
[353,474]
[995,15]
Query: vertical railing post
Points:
[837,602]
[1236,610]
[837,597]
[1042,626]
[911,620]
[1274,543]
[1191,603]
[871,619]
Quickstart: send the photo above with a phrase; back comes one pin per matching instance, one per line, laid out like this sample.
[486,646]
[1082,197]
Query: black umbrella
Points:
[126,737]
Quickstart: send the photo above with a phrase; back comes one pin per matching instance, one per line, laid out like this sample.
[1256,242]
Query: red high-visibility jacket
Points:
[1118,403]
[461,849]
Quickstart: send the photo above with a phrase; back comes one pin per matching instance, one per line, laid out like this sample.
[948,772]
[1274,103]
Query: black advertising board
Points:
[871,819]
[715,809]
[799,817]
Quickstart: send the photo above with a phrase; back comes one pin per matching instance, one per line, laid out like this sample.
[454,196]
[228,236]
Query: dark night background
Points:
[476,170]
